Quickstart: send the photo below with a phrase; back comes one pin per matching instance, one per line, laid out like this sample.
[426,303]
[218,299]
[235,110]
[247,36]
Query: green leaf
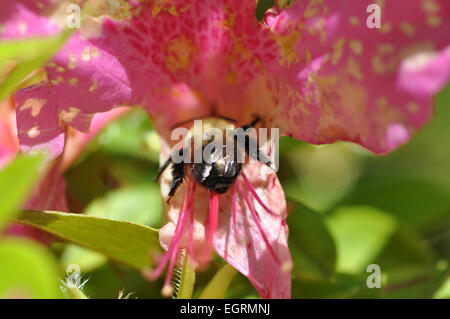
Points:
[444,291]
[18,58]
[122,241]
[186,280]
[415,201]
[138,204]
[343,286]
[366,235]
[312,247]
[262,7]
[218,285]
[87,259]
[361,233]
[413,282]
[16,181]
[27,270]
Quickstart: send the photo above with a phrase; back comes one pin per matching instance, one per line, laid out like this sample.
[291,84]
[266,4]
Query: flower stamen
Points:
[258,224]
[255,195]
[233,205]
[171,253]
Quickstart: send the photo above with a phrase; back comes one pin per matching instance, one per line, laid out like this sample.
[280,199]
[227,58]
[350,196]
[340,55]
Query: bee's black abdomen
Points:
[216,177]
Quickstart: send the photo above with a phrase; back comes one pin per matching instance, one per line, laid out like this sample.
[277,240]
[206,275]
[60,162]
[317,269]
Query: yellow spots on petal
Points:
[380,3]
[35,105]
[383,62]
[67,116]
[338,50]
[95,52]
[58,80]
[116,9]
[94,86]
[356,46]
[287,44]
[313,8]
[430,6]
[40,5]
[385,28]
[353,68]
[73,81]
[434,21]
[308,56]
[321,28]
[164,6]
[354,21]
[90,53]
[33,132]
[72,62]
[23,28]
[60,69]
[86,54]
[232,77]
[413,107]
[407,28]
[385,48]
[378,66]
[180,53]
[353,98]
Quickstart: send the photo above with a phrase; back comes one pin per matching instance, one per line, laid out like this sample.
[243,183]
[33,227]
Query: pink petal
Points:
[20,18]
[336,79]
[316,71]
[245,249]
[9,144]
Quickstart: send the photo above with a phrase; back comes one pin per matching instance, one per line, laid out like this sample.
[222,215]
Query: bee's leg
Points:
[178,172]
[256,154]
[251,124]
[163,168]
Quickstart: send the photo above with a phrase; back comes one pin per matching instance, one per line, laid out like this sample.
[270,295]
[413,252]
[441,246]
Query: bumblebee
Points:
[218,169]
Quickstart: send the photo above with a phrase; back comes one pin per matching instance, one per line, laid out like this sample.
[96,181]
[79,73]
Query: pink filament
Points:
[171,252]
[191,228]
[213,215]
[233,205]
[255,195]
[258,224]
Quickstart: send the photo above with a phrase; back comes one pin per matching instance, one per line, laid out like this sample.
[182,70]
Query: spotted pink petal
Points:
[9,145]
[315,70]
[259,252]
[336,79]
[20,18]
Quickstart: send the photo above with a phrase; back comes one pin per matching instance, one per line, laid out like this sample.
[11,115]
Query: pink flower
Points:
[315,70]
[9,145]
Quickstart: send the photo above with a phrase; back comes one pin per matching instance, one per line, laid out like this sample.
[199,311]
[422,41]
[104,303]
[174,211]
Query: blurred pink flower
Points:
[315,70]
[49,193]
[9,144]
